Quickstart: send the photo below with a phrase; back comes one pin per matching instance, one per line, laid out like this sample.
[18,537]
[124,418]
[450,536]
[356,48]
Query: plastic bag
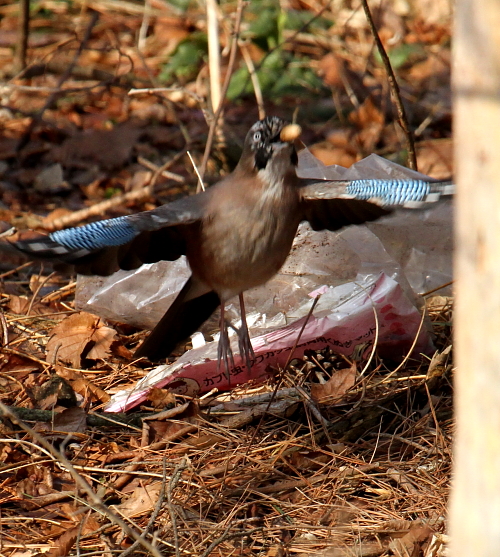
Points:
[378,268]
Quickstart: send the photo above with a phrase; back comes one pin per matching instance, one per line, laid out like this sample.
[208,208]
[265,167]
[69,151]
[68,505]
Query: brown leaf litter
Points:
[334,463]
[359,467]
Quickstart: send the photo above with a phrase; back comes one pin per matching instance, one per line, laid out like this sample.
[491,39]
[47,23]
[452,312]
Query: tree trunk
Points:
[475,504]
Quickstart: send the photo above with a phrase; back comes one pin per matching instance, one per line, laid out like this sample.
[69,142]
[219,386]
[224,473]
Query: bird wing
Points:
[127,242]
[333,204]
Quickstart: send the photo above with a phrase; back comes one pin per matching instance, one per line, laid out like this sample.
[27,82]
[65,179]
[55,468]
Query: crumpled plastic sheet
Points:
[411,250]
[344,319]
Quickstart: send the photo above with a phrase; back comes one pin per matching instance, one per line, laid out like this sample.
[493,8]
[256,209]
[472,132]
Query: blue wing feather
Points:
[97,235]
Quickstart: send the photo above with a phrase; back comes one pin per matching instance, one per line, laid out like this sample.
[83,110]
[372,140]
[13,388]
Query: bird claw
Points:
[245,345]
[224,352]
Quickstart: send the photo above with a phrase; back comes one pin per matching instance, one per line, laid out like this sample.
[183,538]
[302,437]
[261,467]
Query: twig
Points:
[227,535]
[393,84]
[155,513]
[433,410]
[146,16]
[197,172]
[24,30]
[375,340]
[79,535]
[80,481]
[436,289]
[255,79]
[402,439]
[4,339]
[254,400]
[213,53]
[131,470]
[58,67]
[12,271]
[278,382]
[49,102]
[162,170]
[227,79]
[156,90]
[63,292]
[99,208]
[408,354]
[311,404]
[93,420]
[176,476]
[17,319]
[129,8]
[37,290]
[8,350]
[48,90]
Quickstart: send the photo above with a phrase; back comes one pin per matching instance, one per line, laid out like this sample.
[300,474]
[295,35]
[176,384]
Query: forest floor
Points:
[100,123]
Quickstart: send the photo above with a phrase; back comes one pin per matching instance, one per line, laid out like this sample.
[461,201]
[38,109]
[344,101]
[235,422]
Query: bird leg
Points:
[224,352]
[244,343]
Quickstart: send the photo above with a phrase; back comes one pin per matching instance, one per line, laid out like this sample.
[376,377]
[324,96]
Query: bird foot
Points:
[224,351]
[244,343]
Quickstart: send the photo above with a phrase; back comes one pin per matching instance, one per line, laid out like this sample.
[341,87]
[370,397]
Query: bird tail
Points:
[182,319]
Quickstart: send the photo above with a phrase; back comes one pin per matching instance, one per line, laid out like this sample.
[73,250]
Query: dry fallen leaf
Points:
[435,157]
[143,499]
[81,385]
[160,398]
[370,120]
[64,543]
[336,387]
[80,336]
[71,420]
[20,305]
[168,423]
[367,114]
[110,148]
[410,545]
[55,391]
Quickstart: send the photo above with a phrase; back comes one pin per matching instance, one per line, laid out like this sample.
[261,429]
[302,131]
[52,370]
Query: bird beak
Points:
[290,133]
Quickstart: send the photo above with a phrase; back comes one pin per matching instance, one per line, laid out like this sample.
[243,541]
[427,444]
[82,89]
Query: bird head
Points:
[270,141]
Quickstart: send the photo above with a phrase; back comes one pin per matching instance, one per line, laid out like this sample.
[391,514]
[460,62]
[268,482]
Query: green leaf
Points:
[279,75]
[295,20]
[401,55]
[182,5]
[186,59]
[264,29]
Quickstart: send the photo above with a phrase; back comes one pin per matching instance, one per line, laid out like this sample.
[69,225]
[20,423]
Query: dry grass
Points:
[364,475]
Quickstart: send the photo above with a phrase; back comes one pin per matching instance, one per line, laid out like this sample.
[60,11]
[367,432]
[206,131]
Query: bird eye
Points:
[257,136]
